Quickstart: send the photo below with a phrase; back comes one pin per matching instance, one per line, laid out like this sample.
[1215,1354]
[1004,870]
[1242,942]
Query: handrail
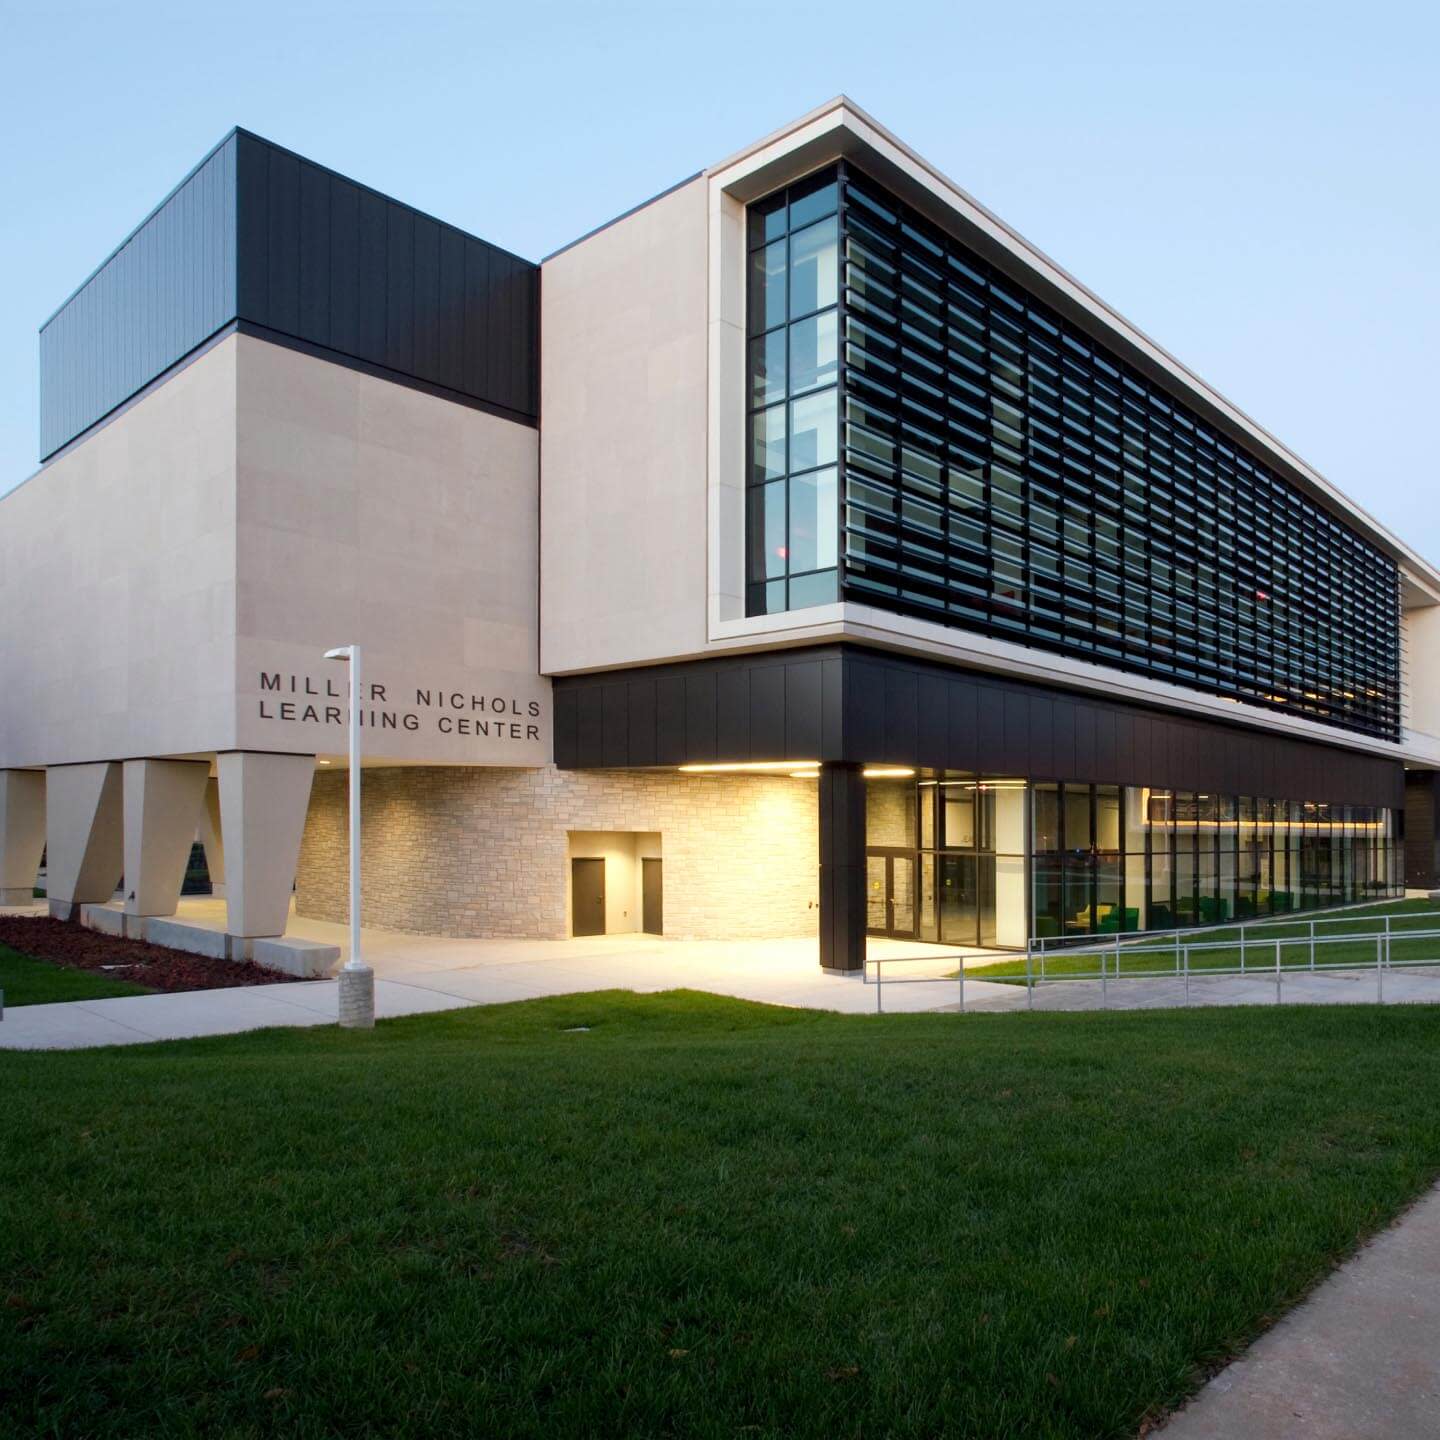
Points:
[1089,940]
[1181,968]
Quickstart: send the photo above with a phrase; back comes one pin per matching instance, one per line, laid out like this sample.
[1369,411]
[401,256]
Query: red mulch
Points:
[153,965]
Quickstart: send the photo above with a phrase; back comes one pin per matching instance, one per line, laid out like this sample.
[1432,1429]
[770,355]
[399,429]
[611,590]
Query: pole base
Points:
[357,998]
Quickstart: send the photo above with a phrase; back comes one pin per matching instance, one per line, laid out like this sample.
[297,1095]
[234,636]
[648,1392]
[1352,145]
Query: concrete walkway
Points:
[420,973]
[1359,1360]
[416,974]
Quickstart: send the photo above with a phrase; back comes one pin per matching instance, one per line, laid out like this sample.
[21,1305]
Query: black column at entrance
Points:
[1422,829]
[842,868]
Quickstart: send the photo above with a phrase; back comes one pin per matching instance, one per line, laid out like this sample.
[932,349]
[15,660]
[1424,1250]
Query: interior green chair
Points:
[1046,925]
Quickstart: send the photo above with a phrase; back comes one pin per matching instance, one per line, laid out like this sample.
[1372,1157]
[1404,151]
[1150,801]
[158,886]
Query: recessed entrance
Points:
[587,897]
[615,882]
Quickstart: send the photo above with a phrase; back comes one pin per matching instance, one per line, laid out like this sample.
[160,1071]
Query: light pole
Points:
[357,979]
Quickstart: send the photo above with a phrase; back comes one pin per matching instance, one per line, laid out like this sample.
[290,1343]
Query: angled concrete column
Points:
[842,868]
[84,835]
[163,800]
[22,833]
[212,838]
[263,802]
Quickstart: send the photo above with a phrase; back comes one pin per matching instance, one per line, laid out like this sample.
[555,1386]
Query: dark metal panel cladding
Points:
[962,719]
[589,746]
[902,731]
[732,714]
[670,748]
[866,707]
[1421,831]
[832,700]
[767,713]
[396,288]
[615,723]
[258,234]
[700,716]
[167,289]
[932,718]
[642,722]
[566,733]
[804,700]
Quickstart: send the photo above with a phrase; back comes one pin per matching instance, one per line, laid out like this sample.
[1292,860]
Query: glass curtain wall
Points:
[1001,471]
[1110,858]
[793,367]
[946,860]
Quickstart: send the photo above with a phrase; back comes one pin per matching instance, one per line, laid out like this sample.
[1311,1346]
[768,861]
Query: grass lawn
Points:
[701,1217]
[37,982]
[1158,952]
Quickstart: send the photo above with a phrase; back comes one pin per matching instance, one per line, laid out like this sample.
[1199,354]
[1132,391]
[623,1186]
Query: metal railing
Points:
[1042,944]
[1257,958]
[1240,934]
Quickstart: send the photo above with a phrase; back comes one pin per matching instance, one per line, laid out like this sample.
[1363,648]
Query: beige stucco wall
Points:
[1421,630]
[117,583]
[486,852]
[373,513]
[623,392]
[255,509]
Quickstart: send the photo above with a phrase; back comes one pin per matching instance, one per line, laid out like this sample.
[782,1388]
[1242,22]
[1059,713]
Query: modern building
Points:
[801,553]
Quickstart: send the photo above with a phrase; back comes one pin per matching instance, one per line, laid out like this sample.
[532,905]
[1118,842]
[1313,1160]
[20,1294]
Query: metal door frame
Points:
[890,854]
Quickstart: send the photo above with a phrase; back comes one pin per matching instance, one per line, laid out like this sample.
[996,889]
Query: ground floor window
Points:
[1110,858]
[991,860]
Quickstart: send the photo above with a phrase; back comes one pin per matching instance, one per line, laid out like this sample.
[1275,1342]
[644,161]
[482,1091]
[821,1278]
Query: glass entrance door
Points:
[890,893]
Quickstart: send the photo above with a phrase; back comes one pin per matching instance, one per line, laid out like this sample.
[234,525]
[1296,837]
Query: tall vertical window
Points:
[792,324]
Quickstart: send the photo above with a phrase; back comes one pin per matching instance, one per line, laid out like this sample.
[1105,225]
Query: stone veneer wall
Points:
[485,852]
[890,812]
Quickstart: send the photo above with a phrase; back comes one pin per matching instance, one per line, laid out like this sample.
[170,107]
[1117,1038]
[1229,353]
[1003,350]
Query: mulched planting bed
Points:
[154,966]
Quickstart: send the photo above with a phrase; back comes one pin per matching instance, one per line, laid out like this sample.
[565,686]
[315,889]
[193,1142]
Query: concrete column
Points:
[212,838]
[842,869]
[22,833]
[263,802]
[84,835]
[163,800]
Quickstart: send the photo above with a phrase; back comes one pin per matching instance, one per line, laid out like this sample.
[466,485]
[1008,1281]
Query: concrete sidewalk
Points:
[1359,1360]
[420,973]
[417,974]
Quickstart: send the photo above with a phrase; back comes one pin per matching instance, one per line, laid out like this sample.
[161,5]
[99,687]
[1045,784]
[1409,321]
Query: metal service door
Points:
[652,896]
[587,897]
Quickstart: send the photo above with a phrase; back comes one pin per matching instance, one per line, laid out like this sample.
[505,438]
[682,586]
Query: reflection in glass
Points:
[812,352]
[812,521]
[814,431]
[812,270]
[767,368]
[767,530]
[767,287]
[768,453]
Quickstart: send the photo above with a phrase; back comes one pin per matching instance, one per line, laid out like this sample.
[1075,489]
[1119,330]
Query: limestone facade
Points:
[486,852]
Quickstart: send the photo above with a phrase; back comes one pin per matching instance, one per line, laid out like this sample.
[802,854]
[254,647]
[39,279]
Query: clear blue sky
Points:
[1254,184]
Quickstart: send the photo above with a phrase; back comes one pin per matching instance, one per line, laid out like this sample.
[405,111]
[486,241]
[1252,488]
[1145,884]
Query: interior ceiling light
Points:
[887,772]
[756,767]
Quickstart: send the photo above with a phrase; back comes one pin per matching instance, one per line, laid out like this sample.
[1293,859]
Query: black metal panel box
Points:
[257,236]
